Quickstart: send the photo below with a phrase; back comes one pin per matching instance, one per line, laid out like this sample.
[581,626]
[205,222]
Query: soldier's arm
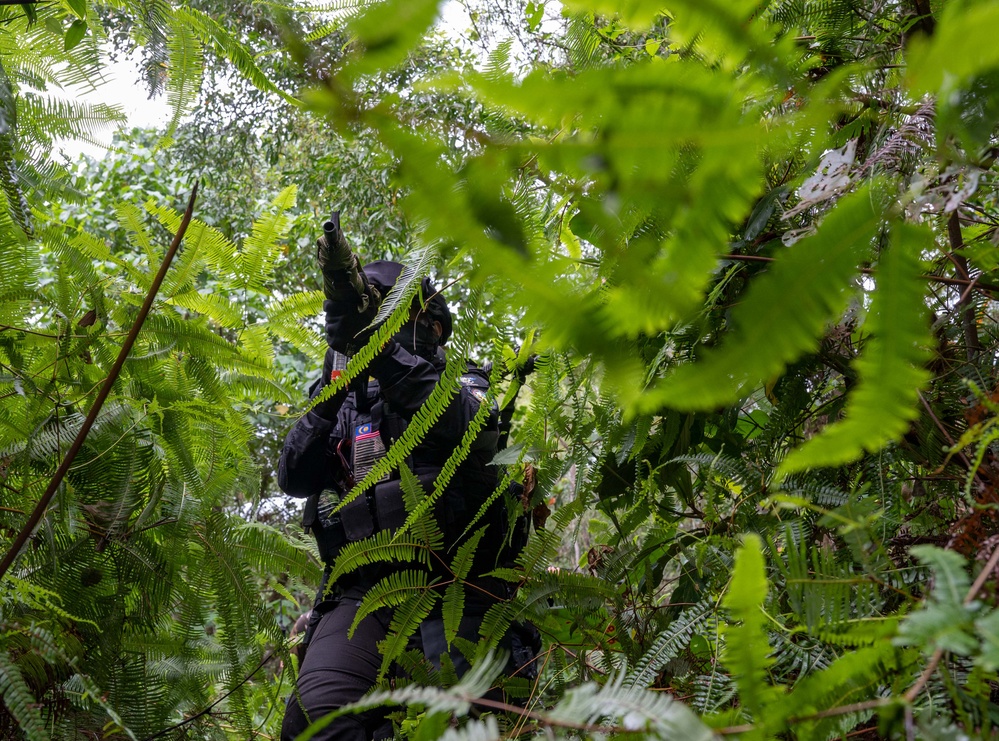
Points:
[407,381]
[308,463]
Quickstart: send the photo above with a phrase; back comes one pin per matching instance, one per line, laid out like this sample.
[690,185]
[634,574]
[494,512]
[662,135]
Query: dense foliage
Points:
[751,245]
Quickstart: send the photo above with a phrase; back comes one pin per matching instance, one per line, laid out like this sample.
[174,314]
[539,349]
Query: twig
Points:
[967,282]
[828,713]
[5,327]
[267,657]
[102,396]
[965,306]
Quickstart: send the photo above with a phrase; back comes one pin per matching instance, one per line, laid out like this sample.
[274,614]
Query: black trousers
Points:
[336,671]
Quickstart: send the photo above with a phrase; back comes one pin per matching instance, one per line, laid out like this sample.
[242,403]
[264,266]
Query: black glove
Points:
[329,408]
[345,325]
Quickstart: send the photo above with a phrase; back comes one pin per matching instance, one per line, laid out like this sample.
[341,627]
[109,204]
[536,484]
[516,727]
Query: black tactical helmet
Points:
[384,273]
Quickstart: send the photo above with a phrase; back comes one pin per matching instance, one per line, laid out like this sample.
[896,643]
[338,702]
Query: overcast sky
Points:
[124,89]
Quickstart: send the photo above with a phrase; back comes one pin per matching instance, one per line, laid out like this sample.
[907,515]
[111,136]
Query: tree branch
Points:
[965,306]
[969,283]
[102,396]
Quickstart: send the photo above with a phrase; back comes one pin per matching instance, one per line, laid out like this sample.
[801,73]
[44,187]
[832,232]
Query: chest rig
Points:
[363,437]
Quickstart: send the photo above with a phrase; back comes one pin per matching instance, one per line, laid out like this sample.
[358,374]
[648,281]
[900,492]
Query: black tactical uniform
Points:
[330,448]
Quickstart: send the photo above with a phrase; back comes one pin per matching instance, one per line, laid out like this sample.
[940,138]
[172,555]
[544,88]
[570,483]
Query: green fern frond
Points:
[944,621]
[890,370]
[669,643]
[452,610]
[478,730]
[858,676]
[262,247]
[747,645]
[406,620]
[466,552]
[637,709]
[425,527]
[184,74]
[395,589]
[497,66]
[454,596]
[217,307]
[226,46]
[453,700]
[221,254]
[380,547]
[19,700]
[784,313]
[43,120]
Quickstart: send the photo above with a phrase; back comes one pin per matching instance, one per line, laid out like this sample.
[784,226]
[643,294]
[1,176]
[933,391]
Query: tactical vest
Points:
[362,439]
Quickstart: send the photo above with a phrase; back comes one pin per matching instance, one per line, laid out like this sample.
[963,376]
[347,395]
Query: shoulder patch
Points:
[473,381]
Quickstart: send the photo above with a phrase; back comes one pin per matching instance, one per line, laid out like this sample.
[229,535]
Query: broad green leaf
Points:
[75,34]
[79,7]
[390,30]
[783,316]
[890,369]
[533,13]
[963,46]
[636,14]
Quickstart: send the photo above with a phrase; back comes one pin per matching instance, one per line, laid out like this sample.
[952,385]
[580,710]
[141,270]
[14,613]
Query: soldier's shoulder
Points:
[474,377]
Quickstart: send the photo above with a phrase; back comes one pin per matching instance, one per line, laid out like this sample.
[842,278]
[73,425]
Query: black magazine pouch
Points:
[390,507]
[356,518]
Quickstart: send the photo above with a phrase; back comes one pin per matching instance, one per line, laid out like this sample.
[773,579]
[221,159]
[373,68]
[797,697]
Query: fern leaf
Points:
[466,552]
[890,370]
[425,528]
[217,307]
[380,547]
[395,589]
[405,621]
[855,677]
[747,645]
[478,730]
[262,247]
[943,621]
[669,644]
[452,610]
[186,68]
[783,316]
[19,700]
[225,45]
[637,709]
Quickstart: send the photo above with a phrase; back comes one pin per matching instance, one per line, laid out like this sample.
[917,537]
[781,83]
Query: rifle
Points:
[343,276]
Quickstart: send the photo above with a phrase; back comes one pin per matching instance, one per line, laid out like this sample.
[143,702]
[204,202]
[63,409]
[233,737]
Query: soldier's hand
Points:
[346,327]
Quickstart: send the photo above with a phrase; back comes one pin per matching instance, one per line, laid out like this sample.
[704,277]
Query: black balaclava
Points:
[418,337]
